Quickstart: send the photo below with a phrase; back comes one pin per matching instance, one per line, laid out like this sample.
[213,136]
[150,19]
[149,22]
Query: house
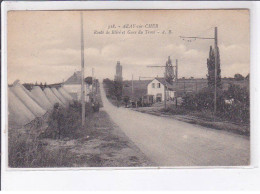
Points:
[156,89]
[73,86]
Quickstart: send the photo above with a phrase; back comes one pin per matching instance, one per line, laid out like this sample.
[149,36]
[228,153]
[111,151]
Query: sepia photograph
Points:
[128,88]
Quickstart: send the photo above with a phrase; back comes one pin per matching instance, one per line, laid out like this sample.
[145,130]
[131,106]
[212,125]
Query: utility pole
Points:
[165,106]
[176,82]
[92,88]
[132,87]
[196,86]
[176,71]
[82,74]
[216,62]
[165,87]
[184,86]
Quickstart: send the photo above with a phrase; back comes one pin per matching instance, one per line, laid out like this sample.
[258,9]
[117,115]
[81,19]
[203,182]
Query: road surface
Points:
[169,142]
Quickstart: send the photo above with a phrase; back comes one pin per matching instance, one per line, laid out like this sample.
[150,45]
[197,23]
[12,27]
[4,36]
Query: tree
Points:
[118,85]
[238,77]
[211,69]
[169,73]
[88,80]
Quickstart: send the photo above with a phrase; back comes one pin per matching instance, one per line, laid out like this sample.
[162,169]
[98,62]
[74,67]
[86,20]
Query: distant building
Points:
[73,86]
[156,89]
[119,70]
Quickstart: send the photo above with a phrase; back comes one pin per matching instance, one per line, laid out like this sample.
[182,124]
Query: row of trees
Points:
[114,89]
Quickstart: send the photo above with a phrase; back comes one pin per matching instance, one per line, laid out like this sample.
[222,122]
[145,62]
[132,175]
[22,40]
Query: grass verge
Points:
[99,144]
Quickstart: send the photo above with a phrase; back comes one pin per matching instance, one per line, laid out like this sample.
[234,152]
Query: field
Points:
[182,86]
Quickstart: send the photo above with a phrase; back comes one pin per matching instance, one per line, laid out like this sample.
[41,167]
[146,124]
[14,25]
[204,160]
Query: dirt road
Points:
[169,142]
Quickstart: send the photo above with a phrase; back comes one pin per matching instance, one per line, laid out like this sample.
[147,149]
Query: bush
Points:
[64,122]
[238,111]
[203,100]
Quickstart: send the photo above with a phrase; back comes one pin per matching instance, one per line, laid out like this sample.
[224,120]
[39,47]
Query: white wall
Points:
[72,88]
[156,90]
[75,90]
[170,94]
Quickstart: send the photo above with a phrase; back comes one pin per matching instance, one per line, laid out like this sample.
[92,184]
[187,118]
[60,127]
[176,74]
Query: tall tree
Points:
[169,73]
[118,90]
[211,69]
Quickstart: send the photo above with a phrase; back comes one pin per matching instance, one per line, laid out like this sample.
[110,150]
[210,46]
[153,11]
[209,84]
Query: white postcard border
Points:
[144,178]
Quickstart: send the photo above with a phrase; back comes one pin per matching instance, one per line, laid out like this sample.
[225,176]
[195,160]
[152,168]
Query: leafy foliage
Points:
[62,120]
[118,89]
[114,89]
[237,110]
[211,69]
[88,80]
[204,99]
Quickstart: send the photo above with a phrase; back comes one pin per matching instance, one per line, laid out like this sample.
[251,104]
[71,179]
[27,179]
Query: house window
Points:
[159,85]
[153,85]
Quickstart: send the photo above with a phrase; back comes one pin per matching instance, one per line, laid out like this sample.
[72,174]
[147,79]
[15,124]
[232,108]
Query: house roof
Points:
[164,82]
[74,79]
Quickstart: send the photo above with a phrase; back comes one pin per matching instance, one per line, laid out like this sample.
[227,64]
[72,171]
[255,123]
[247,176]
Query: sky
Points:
[44,46]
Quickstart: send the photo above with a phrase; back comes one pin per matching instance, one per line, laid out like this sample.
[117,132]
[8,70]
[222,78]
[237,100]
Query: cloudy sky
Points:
[44,46]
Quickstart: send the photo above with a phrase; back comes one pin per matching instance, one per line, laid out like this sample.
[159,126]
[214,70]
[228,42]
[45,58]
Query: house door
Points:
[158,97]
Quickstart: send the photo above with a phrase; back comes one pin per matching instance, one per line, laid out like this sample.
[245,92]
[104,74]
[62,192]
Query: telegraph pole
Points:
[176,82]
[92,88]
[165,106]
[165,87]
[132,86]
[215,61]
[176,71]
[82,74]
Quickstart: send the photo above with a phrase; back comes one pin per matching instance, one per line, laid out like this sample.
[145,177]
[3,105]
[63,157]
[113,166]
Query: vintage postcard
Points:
[128,88]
